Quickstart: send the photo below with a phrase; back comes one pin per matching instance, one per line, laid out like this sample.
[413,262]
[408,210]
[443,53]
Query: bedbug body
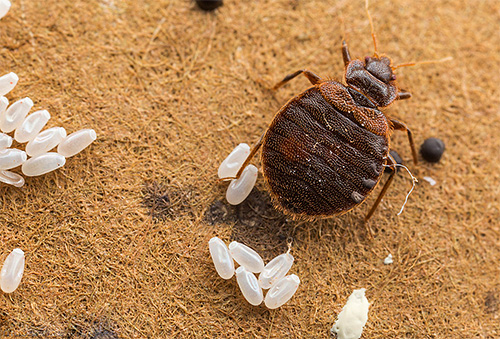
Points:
[325,150]
[317,158]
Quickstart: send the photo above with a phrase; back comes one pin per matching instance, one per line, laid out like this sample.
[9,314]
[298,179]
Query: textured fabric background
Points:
[116,241]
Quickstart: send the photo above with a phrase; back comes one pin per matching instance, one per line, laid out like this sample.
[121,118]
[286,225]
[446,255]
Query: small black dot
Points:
[209,5]
[432,149]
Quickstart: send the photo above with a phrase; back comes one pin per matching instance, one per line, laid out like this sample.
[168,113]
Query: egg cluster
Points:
[239,189]
[27,129]
[272,276]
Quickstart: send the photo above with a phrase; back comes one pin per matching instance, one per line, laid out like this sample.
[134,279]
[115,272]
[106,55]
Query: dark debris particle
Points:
[219,212]
[256,223]
[101,329]
[491,302]
[432,149]
[165,201]
[104,334]
[209,5]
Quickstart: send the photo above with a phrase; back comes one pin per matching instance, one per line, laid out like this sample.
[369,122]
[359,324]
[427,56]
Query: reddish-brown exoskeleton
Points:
[326,148]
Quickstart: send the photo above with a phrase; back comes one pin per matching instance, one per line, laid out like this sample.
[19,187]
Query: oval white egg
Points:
[282,291]
[239,189]
[275,270]
[223,262]
[249,286]
[12,271]
[246,257]
[230,166]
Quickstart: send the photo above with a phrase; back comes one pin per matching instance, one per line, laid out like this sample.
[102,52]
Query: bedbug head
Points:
[374,78]
[380,68]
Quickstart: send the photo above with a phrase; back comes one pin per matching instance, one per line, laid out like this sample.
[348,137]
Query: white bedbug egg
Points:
[45,141]
[12,271]
[4,8]
[42,164]
[14,116]
[11,157]
[7,81]
[246,257]
[76,142]
[282,291]
[353,317]
[5,141]
[275,270]
[11,178]
[239,189]
[249,286]
[224,264]
[230,166]
[4,103]
[31,126]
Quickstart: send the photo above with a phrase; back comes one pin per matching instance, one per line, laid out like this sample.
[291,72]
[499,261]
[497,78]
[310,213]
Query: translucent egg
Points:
[76,142]
[11,178]
[14,116]
[224,264]
[249,286]
[42,164]
[5,141]
[239,189]
[31,126]
[12,271]
[7,81]
[275,270]
[45,141]
[230,166]
[11,157]
[4,103]
[282,291]
[246,257]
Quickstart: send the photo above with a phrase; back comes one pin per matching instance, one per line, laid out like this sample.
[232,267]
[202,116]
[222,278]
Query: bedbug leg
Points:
[403,95]
[313,78]
[402,127]
[345,53]
[392,165]
[250,156]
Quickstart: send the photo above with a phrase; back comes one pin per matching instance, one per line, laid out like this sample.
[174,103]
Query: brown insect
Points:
[326,148]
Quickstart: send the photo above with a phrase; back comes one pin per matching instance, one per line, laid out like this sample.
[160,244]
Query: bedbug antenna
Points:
[342,27]
[375,53]
[408,64]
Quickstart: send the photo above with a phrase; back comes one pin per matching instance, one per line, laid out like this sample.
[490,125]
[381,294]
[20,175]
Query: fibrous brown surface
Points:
[116,241]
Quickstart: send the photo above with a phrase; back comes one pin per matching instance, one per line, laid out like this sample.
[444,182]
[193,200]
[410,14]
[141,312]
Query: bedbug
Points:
[326,148]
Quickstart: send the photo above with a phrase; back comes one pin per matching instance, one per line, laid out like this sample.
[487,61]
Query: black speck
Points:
[165,201]
[432,149]
[209,5]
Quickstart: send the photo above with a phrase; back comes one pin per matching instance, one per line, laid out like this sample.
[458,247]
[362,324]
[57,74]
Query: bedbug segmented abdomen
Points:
[319,161]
